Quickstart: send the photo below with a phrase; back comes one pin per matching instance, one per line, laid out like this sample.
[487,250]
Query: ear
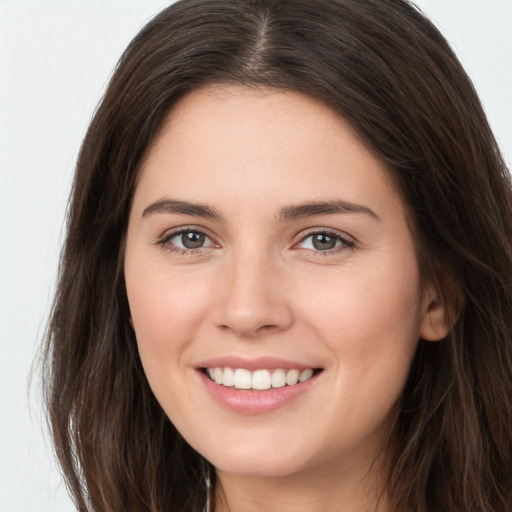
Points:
[440,312]
[130,319]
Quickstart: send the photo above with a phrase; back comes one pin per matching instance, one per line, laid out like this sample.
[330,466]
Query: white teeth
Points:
[228,378]
[292,377]
[260,380]
[217,375]
[278,378]
[242,379]
[305,375]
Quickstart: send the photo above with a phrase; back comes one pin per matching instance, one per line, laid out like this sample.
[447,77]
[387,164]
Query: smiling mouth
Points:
[259,380]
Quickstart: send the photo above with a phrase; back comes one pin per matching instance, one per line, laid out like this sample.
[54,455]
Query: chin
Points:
[262,458]
[260,465]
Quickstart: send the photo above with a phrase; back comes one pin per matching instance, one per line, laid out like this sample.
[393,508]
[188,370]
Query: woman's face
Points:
[266,244]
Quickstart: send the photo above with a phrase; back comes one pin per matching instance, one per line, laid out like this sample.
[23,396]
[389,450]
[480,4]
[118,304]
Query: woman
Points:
[287,277]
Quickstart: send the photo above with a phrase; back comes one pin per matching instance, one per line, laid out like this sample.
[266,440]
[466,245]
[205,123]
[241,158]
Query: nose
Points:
[253,297]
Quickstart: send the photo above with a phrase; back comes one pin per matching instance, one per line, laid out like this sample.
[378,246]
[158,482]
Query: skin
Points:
[258,287]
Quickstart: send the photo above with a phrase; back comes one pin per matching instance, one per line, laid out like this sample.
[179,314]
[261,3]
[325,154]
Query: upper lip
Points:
[265,362]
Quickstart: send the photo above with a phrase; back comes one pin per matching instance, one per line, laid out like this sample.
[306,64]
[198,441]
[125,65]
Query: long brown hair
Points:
[387,70]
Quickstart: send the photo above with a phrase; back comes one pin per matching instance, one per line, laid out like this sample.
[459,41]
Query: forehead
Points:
[231,141]
[259,117]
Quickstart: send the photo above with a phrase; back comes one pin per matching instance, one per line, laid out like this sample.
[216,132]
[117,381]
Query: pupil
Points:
[323,242]
[192,240]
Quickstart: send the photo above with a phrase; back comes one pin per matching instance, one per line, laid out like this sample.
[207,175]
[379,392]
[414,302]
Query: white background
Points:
[55,59]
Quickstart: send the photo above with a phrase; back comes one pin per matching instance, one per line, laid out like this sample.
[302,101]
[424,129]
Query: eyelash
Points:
[165,242]
[346,242]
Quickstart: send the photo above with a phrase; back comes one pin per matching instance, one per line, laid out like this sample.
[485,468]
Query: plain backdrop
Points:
[55,60]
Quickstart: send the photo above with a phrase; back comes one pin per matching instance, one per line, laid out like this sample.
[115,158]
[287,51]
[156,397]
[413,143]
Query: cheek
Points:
[370,322]
[166,309]
[166,315]
[382,299]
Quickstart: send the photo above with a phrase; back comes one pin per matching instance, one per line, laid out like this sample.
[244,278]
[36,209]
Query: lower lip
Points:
[246,401]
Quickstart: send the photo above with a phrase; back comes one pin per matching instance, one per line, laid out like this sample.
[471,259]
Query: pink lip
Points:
[254,402]
[269,363]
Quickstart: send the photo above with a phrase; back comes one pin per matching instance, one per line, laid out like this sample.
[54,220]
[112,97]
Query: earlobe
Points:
[439,315]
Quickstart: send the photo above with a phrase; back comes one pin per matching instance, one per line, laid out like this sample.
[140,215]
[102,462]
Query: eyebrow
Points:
[291,212]
[305,210]
[182,207]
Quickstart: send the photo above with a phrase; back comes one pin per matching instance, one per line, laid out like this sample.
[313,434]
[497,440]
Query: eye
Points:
[325,241]
[187,240]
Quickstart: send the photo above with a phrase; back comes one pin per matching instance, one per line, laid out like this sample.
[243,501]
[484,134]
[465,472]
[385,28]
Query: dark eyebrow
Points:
[183,207]
[301,211]
[290,212]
